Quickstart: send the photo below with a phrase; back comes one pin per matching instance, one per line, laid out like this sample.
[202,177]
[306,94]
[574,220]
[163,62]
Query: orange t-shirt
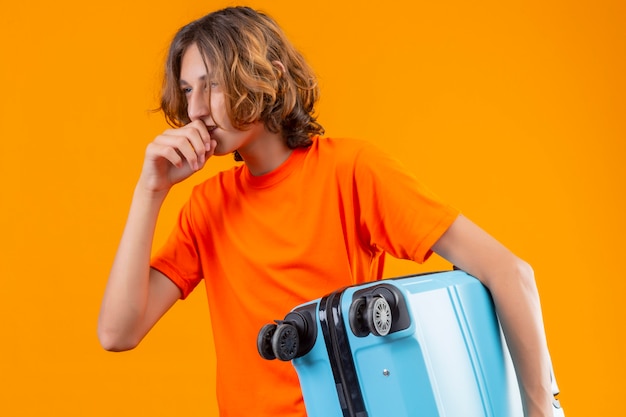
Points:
[321,221]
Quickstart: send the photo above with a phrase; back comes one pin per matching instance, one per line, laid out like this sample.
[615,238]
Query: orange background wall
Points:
[513,111]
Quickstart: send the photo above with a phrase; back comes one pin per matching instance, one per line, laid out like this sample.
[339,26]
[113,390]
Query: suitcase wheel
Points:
[264,341]
[356,317]
[290,338]
[378,316]
[370,314]
[285,341]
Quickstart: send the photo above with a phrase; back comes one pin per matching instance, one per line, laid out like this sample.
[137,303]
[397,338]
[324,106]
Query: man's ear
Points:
[280,67]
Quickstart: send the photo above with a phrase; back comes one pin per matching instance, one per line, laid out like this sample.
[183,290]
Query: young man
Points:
[302,216]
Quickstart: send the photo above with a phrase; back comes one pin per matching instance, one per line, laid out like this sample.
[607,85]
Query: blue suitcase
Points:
[426,345]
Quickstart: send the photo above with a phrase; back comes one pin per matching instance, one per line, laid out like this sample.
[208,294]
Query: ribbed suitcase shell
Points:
[450,361]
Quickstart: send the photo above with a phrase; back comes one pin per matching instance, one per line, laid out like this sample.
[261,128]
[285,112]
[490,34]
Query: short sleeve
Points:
[178,258]
[398,213]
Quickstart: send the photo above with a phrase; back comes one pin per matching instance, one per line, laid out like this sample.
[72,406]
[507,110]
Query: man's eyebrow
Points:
[183,82]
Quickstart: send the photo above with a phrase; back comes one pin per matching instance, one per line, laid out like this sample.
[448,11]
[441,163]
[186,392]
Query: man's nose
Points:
[198,106]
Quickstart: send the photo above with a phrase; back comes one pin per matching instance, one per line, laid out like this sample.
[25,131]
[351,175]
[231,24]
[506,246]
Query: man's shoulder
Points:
[349,149]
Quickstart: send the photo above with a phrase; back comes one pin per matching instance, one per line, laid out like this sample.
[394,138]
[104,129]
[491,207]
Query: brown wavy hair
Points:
[243,47]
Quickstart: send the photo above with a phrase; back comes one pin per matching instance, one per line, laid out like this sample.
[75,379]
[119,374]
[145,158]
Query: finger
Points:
[199,137]
[157,150]
[210,148]
[181,144]
[202,130]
